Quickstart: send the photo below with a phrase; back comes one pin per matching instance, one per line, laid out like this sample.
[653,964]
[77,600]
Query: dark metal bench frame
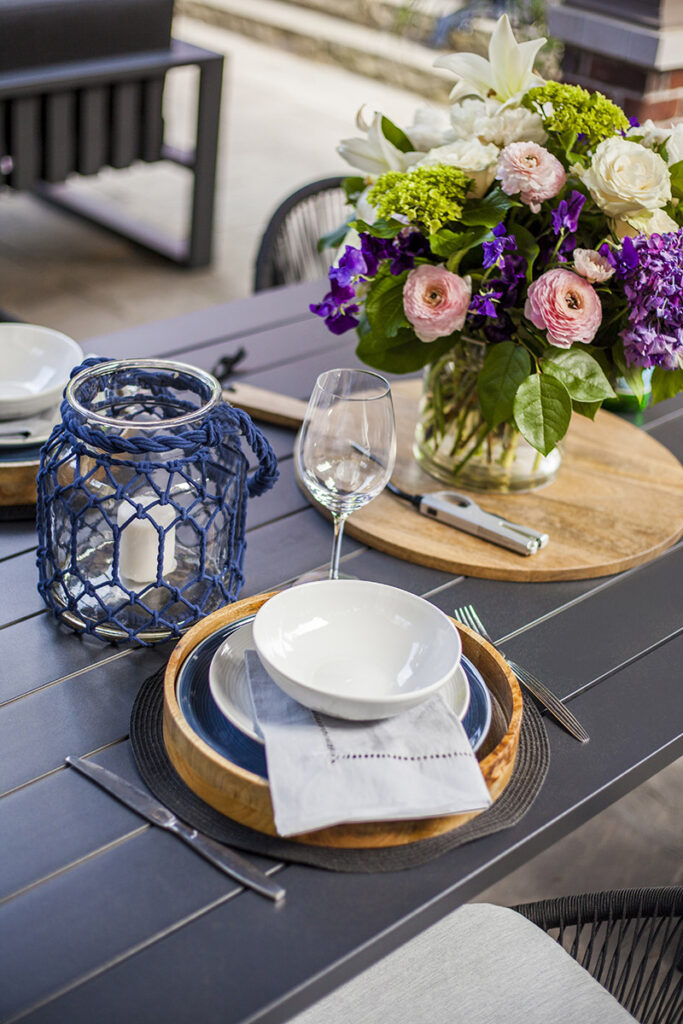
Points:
[29,86]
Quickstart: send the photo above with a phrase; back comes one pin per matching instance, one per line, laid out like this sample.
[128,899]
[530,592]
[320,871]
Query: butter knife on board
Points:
[222,857]
[449,507]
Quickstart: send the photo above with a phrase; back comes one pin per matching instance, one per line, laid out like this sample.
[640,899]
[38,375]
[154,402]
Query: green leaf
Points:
[665,384]
[676,175]
[505,367]
[587,409]
[404,354]
[489,211]
[447,243]
[333,239]
[353,186]
[542,411]
[384,304]
[380,229]
[580,373]
[633,375]
[526,247]
[393,134]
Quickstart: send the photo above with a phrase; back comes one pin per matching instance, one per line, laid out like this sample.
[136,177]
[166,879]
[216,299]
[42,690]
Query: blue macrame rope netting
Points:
[187,487]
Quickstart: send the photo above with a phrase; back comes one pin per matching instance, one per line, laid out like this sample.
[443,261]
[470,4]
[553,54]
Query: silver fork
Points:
[469,617]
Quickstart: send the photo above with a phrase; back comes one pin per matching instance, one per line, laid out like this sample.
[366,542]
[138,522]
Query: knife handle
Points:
[230,862]
[265,405]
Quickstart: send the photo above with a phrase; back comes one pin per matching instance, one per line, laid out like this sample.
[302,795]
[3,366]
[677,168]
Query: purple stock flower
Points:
[651,269]
[350,265]
[358,265]
[406,248]
[567,214]
[501,242]
[486,303]
[513,269]
[501,329]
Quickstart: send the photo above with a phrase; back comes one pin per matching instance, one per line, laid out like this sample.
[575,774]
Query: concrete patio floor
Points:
[282,117]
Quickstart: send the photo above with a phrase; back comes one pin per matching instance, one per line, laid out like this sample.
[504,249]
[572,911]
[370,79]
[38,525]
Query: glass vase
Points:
[454,443]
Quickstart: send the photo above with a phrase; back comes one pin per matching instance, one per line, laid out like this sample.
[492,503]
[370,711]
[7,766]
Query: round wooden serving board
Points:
[616,502]
[245,797]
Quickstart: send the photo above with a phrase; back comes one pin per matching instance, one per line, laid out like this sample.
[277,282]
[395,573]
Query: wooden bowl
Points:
[245,797]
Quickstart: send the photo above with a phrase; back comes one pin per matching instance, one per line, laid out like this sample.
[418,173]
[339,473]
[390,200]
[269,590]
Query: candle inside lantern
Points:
[140,539]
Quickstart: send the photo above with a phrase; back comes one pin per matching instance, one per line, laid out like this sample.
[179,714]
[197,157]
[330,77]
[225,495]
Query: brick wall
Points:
[641,92]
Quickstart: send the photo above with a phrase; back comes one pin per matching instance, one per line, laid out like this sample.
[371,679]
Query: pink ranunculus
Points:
[564,305]
[527,169]
[436,301]
[592,265]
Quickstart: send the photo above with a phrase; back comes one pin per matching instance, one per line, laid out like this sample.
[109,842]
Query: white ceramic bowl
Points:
[35,363]
[355,649]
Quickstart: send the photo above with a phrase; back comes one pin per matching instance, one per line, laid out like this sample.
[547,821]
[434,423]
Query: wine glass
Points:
[347,445]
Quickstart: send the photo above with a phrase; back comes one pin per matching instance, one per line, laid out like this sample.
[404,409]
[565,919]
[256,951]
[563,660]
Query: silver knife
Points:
[222,857]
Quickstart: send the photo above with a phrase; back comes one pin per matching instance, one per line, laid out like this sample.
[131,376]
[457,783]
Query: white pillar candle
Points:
[140,539]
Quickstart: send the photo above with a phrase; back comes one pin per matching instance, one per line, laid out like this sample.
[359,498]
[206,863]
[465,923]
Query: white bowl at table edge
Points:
[27,349]
[293,671]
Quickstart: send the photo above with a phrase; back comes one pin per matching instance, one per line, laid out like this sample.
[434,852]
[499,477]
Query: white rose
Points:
[646,222]
[477,160]
[485,120]
[464,114]
[625,178]
[515,124]
[674,144]
[649,133]
[431,127]
[653,135]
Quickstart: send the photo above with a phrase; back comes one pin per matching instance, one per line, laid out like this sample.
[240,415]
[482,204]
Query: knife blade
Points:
[449,507]
[222,857]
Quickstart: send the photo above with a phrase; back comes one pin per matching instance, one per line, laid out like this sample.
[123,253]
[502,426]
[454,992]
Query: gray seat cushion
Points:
[482,964]
[35,33]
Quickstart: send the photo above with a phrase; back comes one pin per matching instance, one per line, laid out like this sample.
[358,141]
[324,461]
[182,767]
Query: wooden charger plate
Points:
[245,797]
[18,478]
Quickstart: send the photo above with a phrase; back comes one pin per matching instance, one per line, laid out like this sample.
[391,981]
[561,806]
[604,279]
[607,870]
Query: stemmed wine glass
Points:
[347,445]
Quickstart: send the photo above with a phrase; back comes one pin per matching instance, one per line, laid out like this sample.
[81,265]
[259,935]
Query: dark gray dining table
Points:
[106,919]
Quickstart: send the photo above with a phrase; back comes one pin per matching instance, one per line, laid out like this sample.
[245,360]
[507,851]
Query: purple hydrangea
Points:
[651,269]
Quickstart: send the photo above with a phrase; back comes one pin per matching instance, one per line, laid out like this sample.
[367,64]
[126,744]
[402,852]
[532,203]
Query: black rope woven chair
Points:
[629,940]
[288,251]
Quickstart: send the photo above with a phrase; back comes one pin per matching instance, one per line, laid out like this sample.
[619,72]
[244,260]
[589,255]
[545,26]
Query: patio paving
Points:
[282,117]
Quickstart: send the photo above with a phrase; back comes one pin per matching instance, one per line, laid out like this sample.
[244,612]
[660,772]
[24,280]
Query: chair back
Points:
[288,251]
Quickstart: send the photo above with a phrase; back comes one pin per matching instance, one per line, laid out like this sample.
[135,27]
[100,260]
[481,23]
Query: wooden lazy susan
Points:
[616,502]
[244,795]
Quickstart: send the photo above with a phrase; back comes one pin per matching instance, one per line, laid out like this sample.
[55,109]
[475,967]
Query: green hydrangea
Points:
[428,196]
[569,108]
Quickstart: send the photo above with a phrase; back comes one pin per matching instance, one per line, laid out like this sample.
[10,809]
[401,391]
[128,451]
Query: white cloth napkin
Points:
[324,771]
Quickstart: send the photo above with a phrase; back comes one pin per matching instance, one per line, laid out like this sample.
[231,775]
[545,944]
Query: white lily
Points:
[506,75]
[375,154]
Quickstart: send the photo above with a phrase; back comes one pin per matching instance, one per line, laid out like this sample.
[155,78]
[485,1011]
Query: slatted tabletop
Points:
[103,918]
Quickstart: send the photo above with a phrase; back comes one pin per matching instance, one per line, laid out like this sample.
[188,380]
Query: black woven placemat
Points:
[531,767]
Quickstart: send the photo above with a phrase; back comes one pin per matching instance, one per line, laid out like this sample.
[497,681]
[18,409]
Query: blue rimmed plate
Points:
[207,720]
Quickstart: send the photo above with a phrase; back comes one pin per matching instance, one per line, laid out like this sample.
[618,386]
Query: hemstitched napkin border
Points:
[326,771]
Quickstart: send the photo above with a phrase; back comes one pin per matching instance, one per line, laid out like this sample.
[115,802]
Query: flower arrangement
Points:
[526,247]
